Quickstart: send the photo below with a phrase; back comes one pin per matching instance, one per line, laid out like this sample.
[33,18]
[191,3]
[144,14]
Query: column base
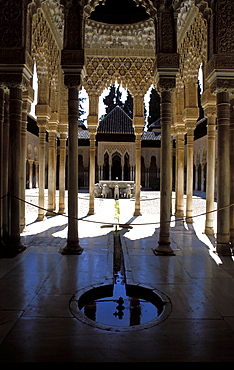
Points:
[209,230]
[40,218]
[50,213]
[223,249]
[11,248]
[72,248]
[61,211]
[91,212]
[179,213]
[164,249]
[137,213]
[189,219]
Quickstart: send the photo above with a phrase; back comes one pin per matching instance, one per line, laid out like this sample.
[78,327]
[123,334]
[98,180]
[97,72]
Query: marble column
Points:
[73,246]
[92,126]
[232,170]
[15,246]
[92,151]
[2,102]
[42,150]
[30,162]
[179,211]
[52,172]
[5,170]
[137,211]
[62,172]
[165,178]
[210,173]
[223,173]
[190,126]
[27,100]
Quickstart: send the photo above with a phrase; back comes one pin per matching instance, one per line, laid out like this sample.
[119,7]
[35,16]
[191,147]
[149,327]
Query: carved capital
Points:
[190,116]
[166,84]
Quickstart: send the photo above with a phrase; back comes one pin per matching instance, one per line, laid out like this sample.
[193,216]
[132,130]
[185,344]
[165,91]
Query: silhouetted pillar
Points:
[15,246]
[72,246]
[27,100]
[2,98]
[165,178]
[223,173]
[232,170]
[5,170]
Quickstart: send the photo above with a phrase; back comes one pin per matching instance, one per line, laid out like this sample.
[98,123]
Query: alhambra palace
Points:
[89,209]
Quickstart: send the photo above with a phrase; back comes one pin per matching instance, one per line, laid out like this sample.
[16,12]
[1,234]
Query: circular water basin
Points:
[120,308]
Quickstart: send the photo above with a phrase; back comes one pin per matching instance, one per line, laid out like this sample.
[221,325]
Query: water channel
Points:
[120,305]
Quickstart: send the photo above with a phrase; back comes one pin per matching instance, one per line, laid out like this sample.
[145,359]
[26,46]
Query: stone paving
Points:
[37,287]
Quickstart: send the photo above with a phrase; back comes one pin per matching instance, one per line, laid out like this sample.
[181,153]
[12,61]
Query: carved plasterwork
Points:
[193,45]
[133,39]
[136,74]
[111,148]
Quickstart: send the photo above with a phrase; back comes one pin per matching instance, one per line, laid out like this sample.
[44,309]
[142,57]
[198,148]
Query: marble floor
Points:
[36,287]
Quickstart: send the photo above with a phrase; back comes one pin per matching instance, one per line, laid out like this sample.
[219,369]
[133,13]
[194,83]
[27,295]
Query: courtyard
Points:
[36,287]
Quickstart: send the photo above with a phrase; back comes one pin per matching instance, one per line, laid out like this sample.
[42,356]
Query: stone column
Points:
[179,211]
[92,151]
[27,100]
[2,98]
[137,211]
[223,173]
[42,123]
[62,171]
[15,246]
[138,124]
[190,126]
[30,162]
[190,115]
[165,178]
[232,170]
[92,126]
[5,170]
[52,171]
[210,171]
[73,246]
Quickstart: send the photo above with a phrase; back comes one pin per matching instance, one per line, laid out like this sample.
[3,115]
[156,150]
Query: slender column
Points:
[1,157]
[232,170]
[165,178]
[52,172]
[179,212]
[5,171]
[210,173]
[15,245]
[92,126]
[42,141]
[223,174]
[137,211]
[92,149]
[189,181]
[72,246]
[27,100]
[37,173]
[30,161]
[62,167]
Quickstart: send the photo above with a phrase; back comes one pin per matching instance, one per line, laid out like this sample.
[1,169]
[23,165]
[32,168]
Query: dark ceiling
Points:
[119,12]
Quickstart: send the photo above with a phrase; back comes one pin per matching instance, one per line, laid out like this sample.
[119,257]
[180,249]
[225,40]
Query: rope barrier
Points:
[117,223]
